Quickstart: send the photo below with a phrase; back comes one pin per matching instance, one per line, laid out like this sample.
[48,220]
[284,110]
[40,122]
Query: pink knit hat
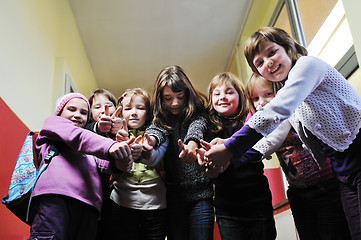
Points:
[63,100]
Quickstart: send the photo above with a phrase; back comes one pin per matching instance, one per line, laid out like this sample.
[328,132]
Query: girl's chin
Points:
[79,125]
[277,78]
[274,78]
[133,126]
[175,113]
[225,114]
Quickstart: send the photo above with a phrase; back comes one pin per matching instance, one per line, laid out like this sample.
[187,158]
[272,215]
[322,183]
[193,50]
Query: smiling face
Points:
[76,110]
[272,61]
[225,99]
[98,106]
[173,101]
[134,111]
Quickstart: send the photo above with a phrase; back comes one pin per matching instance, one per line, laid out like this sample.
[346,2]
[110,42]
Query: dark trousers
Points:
[238,227]
[318,212]
[63,218]
[104,224]
[351,199]
[134,224]
[190,220]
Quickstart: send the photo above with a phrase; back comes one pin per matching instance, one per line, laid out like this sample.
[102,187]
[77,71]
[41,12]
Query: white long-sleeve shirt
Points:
[320,98]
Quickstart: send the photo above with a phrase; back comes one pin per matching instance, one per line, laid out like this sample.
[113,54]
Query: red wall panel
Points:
[274,176]
[12,135]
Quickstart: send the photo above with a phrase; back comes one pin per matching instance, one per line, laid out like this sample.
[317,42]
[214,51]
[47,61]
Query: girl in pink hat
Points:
[68,194]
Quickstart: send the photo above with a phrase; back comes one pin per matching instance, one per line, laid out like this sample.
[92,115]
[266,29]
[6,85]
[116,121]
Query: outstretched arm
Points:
[234,148]
[153,156]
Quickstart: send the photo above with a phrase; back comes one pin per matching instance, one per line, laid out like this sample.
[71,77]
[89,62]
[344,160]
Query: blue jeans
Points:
[190,221]
[318,213]
[350,189]
[237,227]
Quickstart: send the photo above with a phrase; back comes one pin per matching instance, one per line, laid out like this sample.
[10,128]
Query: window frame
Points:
[346,65]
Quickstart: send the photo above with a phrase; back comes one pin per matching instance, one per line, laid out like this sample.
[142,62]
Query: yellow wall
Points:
[39,44]
[259,15]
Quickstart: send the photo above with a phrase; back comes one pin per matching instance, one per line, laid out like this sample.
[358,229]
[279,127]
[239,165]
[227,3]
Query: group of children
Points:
[166,165]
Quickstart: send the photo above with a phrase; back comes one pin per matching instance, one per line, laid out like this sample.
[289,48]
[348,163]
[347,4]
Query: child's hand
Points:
[105,121]
[218,141]
[121,152]
[218,156]
[147,148]
[201,161]
[125,165]
[116,121]
[136,148]
[152,141]
[210,171]
[200,158]
[213,172]
[188,151]
[122,134]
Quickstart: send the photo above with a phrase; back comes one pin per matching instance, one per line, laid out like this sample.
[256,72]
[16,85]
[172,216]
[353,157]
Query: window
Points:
[282,20]
[313,15]
[322,27]
[69,85]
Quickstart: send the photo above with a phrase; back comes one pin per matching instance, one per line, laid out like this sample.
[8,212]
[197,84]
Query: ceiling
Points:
[129,42]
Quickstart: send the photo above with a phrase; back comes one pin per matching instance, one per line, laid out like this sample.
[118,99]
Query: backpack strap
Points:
[35,157]
[53,151]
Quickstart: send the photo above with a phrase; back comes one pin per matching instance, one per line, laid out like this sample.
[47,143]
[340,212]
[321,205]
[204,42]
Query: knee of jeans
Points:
[42,236]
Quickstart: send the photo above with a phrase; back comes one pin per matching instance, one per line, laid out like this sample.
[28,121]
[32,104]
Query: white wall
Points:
[285,226]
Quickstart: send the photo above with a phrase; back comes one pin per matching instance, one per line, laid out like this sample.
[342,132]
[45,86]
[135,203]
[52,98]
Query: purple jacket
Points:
[74,172]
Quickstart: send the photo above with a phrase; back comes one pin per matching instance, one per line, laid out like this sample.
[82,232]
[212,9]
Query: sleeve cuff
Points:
[251,156]
[242,141]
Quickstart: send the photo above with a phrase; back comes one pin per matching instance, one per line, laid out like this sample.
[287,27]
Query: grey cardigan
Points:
[185,182]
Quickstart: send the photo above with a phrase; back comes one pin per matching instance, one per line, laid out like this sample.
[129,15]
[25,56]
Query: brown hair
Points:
[272,34]
[105,92]
[242,110]
[175,78]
